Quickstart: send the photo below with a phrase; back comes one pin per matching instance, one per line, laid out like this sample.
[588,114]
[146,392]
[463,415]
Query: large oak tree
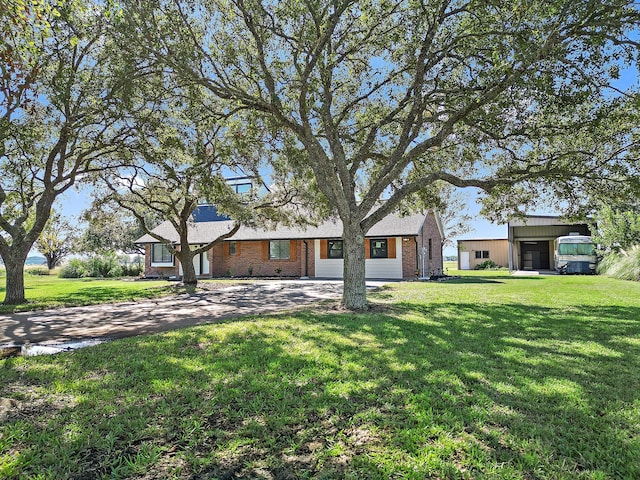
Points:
[387,98]
[57,118]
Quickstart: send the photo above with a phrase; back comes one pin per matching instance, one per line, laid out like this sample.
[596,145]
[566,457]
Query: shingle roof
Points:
[204,232]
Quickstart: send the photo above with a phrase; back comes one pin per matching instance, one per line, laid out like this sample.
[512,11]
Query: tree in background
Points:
[450,204]
[110,229]
[391,97]
[58,121]
[455,222]
[617,232]
[617,229]
[185,147]
[56,240]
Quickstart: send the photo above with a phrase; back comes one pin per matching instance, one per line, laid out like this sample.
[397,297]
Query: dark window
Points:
[482,253]
[232,248]
[430,249]
[279,249]
[335,249]
[576,249]
[160,254]
[379,248]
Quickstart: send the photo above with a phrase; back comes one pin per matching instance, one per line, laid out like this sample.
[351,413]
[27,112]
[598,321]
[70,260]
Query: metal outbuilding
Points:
[472,252]
[531,240]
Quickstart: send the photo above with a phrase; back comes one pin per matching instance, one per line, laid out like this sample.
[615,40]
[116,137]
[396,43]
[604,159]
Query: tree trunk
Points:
[189,278]
[14,264]
[354,294]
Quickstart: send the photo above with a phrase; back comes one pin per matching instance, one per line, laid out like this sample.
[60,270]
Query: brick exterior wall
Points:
[409,260]
[433,265]
[251,260]
[311,258]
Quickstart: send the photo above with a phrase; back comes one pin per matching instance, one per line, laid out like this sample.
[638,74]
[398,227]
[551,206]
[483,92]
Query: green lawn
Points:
[487,376]
[49,291]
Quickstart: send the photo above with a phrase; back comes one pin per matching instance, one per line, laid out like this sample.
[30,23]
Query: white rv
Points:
[575,254]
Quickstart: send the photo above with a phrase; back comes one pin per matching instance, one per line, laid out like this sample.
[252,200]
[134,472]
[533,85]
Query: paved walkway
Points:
[116,320]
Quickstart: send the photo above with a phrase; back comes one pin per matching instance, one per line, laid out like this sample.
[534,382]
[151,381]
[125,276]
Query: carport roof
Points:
[538,221]
[204,232]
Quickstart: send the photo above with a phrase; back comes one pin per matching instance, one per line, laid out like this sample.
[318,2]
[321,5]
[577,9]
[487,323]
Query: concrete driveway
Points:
[116,320]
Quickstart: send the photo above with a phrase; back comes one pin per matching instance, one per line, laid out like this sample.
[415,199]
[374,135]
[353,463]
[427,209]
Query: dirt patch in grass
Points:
[336,307]
[32,405]
[210,286]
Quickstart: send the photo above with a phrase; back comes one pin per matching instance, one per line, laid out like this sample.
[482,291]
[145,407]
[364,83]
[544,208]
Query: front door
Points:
[204,262]
[464,261]
[200,263]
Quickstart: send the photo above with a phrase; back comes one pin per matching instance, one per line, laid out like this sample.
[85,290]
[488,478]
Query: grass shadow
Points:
[90,294]
[438,390]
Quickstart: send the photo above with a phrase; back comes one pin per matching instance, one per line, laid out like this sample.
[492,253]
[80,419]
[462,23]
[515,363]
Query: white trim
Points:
[161,264]
[165,264]
[205,263]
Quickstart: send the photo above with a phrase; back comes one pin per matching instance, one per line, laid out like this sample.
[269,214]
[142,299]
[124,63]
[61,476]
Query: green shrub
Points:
[75,268]
[624,267]
[131,269]
[487,265]
[38,271]
[607,261]
[106,266]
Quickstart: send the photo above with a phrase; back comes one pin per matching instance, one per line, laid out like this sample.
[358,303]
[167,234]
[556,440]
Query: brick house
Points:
[394,249]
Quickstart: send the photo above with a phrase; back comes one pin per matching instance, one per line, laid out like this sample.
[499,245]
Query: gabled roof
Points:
[204,232]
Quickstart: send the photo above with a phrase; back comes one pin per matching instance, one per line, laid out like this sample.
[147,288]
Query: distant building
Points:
[472,252]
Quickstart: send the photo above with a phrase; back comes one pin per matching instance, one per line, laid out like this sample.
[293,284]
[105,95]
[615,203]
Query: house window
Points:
[335,249]
[430,249]
[279,249]
[379,248]
[482,253]
[233,248]
[161,254]
[242,187]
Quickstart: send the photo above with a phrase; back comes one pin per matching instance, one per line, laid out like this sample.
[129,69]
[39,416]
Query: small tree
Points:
[450,205]
[56,240]
[455,220]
